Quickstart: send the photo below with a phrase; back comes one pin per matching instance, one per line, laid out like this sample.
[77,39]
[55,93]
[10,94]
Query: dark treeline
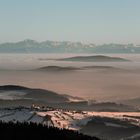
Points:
[33,131]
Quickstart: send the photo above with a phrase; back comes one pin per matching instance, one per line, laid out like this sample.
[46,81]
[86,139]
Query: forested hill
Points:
[33,131]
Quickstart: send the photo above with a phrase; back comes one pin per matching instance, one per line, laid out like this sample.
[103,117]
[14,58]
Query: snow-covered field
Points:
[64,118]
[82,121]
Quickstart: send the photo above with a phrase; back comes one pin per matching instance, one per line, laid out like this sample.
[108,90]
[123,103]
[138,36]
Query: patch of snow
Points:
[113,125]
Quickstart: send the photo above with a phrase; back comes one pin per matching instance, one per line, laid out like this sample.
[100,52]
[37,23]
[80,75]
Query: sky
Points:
[89,21]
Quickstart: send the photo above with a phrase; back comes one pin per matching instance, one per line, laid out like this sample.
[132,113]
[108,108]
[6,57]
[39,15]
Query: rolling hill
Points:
[57,69]
[13,95]
[105,125]
[96,58]
[39,95]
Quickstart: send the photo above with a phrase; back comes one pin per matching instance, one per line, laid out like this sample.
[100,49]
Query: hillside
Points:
[13,95]
[18,92]
[111,125]
[33,131]
[134,101]
[57,69]
[96,58]
[111,128]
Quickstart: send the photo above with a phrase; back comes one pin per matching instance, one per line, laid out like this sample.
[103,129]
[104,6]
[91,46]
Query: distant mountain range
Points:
[31,46]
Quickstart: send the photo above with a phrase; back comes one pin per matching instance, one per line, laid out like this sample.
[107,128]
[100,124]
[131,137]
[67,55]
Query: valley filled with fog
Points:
[101,81]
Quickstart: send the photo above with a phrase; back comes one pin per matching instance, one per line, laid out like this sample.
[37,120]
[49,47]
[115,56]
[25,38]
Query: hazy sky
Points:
[97,21]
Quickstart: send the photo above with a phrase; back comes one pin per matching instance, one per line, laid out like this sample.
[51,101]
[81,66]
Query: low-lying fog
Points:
[99,84]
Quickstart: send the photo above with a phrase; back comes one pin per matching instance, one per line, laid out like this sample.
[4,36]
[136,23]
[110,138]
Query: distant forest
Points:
[33,131]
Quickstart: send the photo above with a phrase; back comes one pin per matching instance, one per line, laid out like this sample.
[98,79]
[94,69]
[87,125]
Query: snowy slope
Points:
[83,121]
[64,118]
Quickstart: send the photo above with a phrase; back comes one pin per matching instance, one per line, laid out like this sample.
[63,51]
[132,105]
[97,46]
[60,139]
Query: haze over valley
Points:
[102,81]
